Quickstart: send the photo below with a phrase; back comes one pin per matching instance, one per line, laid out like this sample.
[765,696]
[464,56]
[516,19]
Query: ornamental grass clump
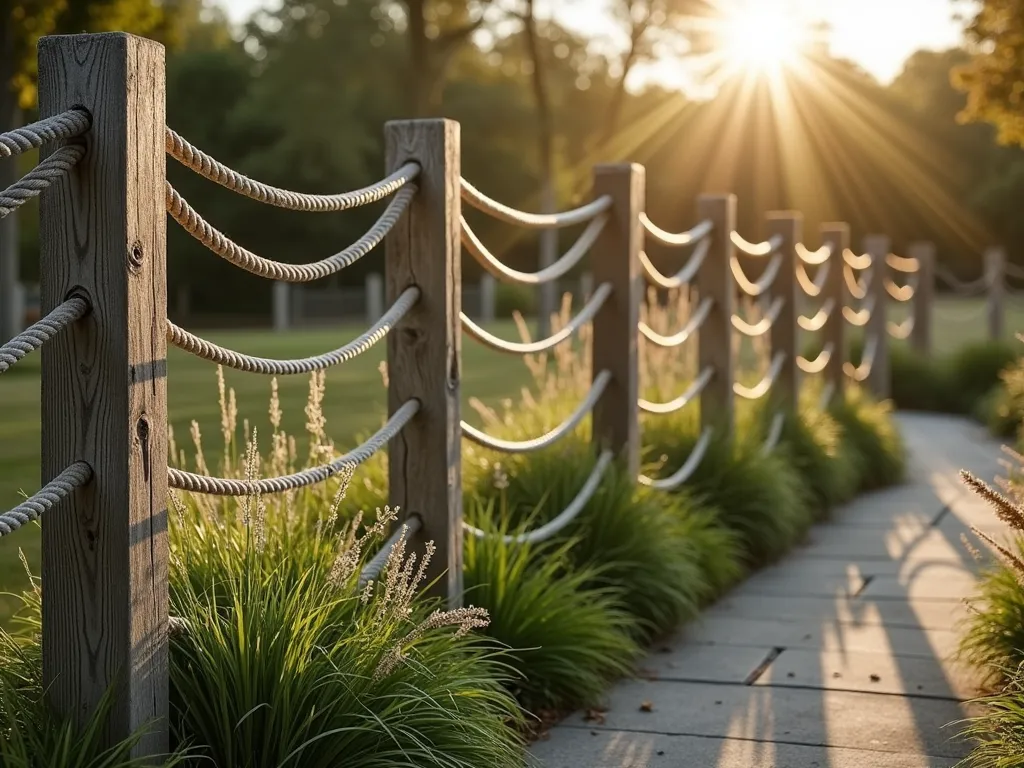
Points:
[281,655]
[994,631]
[568,634]
[288,659]
[876,445]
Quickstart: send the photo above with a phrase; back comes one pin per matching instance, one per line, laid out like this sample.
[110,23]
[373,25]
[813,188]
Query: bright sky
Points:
[877,34]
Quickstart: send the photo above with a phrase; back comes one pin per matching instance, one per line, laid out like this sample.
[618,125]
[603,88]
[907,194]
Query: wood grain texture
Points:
[425,349]
[836,234]
[879,247]
[104,397]
[615,259]
[924,297]
[784,338]
[714,279]
[995,259]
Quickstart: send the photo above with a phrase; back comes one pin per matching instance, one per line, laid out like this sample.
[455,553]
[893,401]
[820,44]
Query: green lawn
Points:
[355,403]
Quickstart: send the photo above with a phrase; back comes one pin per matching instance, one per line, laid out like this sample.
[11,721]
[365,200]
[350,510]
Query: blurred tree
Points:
[994,77]
[653,28]
[22,23]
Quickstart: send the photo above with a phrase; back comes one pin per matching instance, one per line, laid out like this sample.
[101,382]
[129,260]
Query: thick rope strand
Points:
[75,476]
[66,125]
[232,252]
[224,486]
[214,170]
[39,178]
[207,350]
[42,331]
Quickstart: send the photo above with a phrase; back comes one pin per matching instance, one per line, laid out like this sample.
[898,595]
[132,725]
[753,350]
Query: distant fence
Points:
[104,336]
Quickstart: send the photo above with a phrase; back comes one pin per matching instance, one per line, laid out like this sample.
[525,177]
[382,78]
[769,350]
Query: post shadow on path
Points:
[875,593]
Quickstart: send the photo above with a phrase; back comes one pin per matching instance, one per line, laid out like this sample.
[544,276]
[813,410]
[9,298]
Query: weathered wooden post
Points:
[784,332]
[615,259]
[995,269]
[715,281]
[424,350]
[837,236]
[924,296]
[104,395]
[878,247]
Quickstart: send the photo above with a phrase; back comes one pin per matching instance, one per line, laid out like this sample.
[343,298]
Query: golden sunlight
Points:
[762,37]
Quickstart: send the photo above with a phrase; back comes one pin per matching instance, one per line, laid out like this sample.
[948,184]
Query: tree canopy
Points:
[994,76]
[299,99]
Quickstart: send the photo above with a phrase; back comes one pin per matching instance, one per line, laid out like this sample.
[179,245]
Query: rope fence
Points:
[104,420]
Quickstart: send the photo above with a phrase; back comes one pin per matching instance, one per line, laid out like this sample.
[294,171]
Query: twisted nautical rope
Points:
[686,471]
[672,239]
[482,202]
[684,275]
[223,486]
[548,439]
[570,513]
[818,364]
[591,308]
[765,324]
[761,388]
[567,261]
[75,476]
[207,350]
[214,170]
[751,287]
[684,399]
[42,331]
[230,251]
[817,321]
[766,248]
[692,326]
[73,122]
[39,178]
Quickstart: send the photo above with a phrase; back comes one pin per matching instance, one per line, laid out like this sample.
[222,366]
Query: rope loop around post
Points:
[42,331]
[66,125]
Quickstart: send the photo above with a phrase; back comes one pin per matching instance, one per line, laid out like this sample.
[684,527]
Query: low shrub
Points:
[759,496]
[997,734]
[952,383]
[646,544]
[993,634]
[976,369]
[876,446]
[567,636]
[1003,411]
[813,443]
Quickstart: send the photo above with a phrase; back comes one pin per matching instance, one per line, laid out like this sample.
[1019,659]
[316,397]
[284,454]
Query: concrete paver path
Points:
[838,657]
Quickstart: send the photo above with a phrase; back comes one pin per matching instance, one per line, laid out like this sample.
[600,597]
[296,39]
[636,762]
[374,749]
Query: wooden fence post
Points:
[924,296]
[995,260]
[615,259]
[837,235]
[715,281]
[424,350]
[104,390]
[784,336]
[878,247]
